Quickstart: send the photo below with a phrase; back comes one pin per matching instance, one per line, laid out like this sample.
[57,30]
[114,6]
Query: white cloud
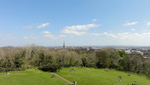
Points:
[43,25]
[66,31]
[95,34]
[46,32]
[131,36]
[50,36]
[62,36]
[148,23]
[148,33]
[32,36]
[124,38]
[78,29]
[94,20]
[81,27]
[53,36]
[111,35]
[105,33]
[28,27]
[132,29]
[25,37]
[128,24]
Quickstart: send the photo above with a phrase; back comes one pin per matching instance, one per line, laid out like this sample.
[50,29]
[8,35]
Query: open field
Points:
[30,77]
[91,76]
[83,76]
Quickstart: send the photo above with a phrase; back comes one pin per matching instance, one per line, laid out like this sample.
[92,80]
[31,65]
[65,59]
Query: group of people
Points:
[106,70]
[7,73]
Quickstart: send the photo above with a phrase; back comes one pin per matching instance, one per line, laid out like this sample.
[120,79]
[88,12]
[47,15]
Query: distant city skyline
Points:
[77,22]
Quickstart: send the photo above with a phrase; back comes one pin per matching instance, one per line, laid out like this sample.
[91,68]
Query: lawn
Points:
[91,76]
[83,76]
[30,77]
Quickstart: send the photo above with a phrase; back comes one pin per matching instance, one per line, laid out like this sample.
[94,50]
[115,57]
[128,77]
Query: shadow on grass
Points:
[148,77]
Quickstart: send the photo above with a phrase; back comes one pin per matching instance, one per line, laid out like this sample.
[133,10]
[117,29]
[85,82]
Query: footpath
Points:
[63,78]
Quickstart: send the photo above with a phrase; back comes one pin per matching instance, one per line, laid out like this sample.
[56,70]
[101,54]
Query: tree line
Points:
[48,59]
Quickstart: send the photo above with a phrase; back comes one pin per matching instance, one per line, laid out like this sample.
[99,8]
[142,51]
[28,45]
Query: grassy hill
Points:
[30,77]
[83,76]
[91,76]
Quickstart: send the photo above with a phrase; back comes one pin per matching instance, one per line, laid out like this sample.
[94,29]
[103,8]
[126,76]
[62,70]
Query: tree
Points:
[84,62]
[136,62]
[103,59]
[121,53]
[114,57]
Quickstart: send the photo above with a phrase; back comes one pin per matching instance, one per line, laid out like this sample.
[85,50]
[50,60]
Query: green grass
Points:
[91,76]
[83,76]
[30,77]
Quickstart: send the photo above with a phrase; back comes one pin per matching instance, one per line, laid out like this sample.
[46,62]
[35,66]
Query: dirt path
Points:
[63,78]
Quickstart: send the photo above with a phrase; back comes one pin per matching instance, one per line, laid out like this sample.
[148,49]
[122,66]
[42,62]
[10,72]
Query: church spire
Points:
[64,45]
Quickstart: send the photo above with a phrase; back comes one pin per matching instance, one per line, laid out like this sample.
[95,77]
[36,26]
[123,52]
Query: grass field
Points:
[83,76]
[91,76]
[30,77]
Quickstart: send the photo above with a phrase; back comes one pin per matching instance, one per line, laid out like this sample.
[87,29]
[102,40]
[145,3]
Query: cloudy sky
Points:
[77,22]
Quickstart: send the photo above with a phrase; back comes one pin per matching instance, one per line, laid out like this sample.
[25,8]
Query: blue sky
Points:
[77,22]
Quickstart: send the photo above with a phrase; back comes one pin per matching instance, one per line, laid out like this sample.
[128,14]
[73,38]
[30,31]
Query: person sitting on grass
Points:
[53,76]
[72,70]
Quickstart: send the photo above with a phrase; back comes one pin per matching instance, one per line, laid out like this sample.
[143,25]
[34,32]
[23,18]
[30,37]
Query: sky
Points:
[75,22]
